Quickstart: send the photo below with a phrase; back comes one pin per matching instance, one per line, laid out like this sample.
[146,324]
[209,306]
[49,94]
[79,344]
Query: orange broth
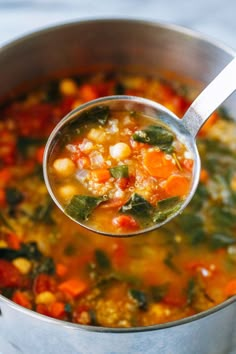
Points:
[51,265]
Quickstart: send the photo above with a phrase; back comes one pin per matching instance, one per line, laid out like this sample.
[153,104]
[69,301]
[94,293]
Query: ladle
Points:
[185,129]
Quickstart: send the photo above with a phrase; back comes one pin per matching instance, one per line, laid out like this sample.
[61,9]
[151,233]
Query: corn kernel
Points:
[46,297]
[68,87]
[3,244]
[120,151]
[22,264]
[64,167]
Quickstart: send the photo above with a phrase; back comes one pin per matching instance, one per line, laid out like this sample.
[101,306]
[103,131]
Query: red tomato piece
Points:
[9,275]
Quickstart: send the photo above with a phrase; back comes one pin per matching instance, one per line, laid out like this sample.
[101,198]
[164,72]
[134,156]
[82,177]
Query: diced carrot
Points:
[73,287]
[43,309]
[205,128]
[125,222]
[204,176]
[100,175]
[61,269]
[157,165]
[57,309]
[230,288]
[39,154]
[177,185]
[88,92]
[13,241]
[22,299]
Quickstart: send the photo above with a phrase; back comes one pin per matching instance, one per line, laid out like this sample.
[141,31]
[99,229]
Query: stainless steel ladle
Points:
[185,129]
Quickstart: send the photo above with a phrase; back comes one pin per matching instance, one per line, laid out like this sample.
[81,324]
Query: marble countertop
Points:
[214,18]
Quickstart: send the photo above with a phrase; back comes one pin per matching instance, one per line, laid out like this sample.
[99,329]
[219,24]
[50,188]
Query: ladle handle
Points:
[210,98]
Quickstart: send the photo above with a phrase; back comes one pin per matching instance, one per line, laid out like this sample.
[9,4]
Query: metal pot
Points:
[109,45]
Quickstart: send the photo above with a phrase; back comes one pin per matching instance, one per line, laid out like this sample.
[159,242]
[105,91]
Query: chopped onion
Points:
[96,159]
[81,175]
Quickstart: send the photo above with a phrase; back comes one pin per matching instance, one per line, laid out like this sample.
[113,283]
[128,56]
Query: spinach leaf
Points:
[155,135]
[140,297]
[43,213]
[46,266]
[5,222]
[13,196]
[119,89]
[137,206]
[192,225]
[191,291]
[158,292]
[120,171]
[221,240]
[99,114]
[102,260]
[224,217]
[28,250]
[168,261]
[81,206]
[165,208]
[199,198]
[24,143]
[52,92]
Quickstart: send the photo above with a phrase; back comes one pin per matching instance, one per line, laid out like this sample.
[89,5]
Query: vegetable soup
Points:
[119,171]
[51,265]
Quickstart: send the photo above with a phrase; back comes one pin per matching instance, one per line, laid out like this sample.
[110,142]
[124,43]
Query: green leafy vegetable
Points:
[25,143]
[140,297]
[192,225]
[120,171]
[46,265]
[155,135]
[168,261]
[221,240]
[102,260]
[137,206]
[28,250]
[165,208]
[158,292]
[98,114]
[5,222]
[43,213]
[168,202]
[13,196]
[191,291]
[81,206]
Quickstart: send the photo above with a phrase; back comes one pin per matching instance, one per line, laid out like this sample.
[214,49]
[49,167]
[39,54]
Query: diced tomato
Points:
[57,310]
[73,287]
[13,241]
[44,282]
[9,275]
[39,154]
[22,299]
[125,222]
[43,309]
[123,182]
[114,203]
[81,315]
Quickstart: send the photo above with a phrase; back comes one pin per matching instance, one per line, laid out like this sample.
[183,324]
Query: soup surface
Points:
[119,171]
[51,265]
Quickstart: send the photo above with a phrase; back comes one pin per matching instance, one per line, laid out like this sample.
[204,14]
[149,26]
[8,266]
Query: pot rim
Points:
[166,26]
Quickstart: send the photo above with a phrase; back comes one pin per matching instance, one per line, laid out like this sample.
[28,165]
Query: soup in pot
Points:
[51,265]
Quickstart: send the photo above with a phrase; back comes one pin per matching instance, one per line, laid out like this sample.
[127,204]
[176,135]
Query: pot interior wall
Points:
[109,44]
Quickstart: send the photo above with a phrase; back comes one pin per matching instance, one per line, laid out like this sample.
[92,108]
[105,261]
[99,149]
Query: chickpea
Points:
[68,87]
[64,167]
[67,191]
[120,151]
[46,297]
[23,265]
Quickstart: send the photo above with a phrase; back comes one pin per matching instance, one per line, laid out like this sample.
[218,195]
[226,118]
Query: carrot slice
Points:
[157,165]
[100,175]
[230,288]
[57,309]
[61,269]
[73,287]
[177,185]
[21,299]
